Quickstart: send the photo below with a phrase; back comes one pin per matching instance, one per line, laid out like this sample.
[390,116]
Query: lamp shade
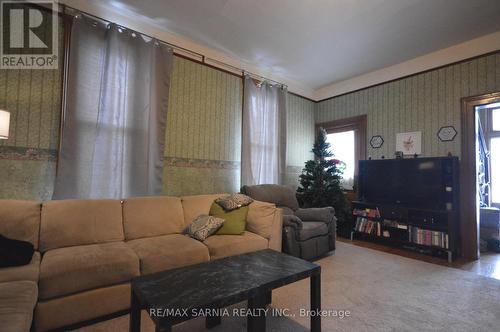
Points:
[4,124]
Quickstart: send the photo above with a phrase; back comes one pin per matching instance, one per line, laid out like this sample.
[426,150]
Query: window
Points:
[492,135]
[343,146]
[495,169]
[495,119]
[347,138]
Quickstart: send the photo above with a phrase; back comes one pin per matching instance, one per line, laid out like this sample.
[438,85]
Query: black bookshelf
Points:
[429,230]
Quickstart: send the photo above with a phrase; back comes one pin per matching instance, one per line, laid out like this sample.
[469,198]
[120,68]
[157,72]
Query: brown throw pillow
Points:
[204,226]
[233,202]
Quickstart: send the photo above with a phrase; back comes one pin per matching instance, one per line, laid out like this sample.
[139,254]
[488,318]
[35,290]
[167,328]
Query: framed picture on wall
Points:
[409,143]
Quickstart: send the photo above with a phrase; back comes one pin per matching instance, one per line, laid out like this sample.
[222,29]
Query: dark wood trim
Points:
[353,123]
[469,208]
[207,64]
[411,75]
[296,94]
[356,123]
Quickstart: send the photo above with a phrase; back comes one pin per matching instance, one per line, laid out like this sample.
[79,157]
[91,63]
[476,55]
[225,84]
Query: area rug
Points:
[369,290]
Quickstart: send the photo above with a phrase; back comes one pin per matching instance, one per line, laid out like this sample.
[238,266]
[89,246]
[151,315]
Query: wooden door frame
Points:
[469,209]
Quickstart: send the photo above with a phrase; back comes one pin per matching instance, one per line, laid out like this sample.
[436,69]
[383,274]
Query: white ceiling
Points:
[320,42]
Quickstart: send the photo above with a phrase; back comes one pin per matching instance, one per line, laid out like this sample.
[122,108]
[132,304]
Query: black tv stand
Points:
[411,203]
[423,230]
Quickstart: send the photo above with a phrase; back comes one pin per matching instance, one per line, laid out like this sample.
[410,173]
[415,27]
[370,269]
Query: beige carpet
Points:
[383,292]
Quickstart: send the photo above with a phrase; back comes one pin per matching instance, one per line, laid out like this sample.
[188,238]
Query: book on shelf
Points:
[367,226]
[368,213]
[428,237]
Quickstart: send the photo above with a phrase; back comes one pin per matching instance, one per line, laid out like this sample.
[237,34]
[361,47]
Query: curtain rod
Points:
[181,50]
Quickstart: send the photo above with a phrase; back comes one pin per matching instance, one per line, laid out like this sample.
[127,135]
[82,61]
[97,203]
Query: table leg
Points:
[269,297]
[316,301]
[212,321]
[135,313]
[257,306]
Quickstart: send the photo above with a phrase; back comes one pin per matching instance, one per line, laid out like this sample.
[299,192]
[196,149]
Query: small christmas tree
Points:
[320,180]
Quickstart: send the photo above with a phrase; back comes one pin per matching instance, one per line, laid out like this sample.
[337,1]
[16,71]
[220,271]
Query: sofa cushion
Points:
[79,222]
[152,216]
[312,229]
[220,246]
[25,272]
[194,206]
[168,252]
[273,193]
[234,221]
[17,302]
[81,307]
[74,269]
[20,220]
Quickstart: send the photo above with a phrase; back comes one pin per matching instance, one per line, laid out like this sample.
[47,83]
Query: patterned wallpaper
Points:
[204,113]
[424,102]
[28,157]
[300,136]
[203,140]
[203,143]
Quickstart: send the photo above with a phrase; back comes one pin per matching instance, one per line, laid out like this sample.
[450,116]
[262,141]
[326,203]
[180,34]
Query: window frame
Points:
[489,134]
[358,125]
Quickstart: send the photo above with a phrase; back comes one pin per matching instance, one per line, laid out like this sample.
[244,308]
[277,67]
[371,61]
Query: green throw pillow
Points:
[235,220]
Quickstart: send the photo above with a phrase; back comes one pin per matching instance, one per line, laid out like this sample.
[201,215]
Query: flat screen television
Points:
[415,182]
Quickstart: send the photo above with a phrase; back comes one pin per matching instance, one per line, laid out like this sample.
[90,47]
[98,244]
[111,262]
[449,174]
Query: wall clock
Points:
[376,141]
[447,133]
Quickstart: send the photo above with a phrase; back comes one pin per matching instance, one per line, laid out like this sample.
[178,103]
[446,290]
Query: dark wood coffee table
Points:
[174,296]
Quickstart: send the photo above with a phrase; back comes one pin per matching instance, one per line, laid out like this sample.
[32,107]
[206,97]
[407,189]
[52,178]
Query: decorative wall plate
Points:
[447,133]
[376,141]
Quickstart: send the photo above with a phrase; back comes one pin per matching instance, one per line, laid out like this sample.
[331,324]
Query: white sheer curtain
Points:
[263,158]
[115,113]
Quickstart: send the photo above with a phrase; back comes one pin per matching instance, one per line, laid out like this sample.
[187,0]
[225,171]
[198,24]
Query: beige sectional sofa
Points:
[89,250]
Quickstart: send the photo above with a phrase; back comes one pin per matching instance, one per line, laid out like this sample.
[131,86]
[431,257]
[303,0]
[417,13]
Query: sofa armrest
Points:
[326,214]
[275,240]
[265,219]
[30,271]
[292,221]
